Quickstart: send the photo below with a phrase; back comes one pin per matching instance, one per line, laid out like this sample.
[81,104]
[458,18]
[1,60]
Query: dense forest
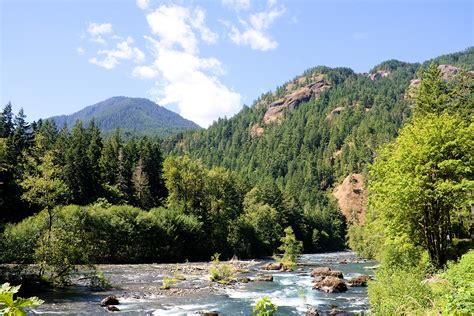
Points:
[74,196]
[133,116]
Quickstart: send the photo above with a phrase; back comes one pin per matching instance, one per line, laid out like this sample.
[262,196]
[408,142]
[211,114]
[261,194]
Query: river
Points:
[291,291]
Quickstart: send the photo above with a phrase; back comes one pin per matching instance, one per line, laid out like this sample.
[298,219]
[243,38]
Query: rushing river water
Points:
[291,291]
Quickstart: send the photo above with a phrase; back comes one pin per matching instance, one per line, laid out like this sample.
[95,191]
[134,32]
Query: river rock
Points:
[326,271]
[264,277]
[336,312]
[207,313]
[112,308]
[361,280]
[109,300]
[273,266]
[244,280]
[330,284]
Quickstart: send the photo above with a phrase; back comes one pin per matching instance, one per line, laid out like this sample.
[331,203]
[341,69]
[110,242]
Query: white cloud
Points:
[145,72]
[80,50]
[123,51]
[188,82]
[254,30]
[176,25]
[143,4]
[98,30]
[236,4]
[197,21]
[184,78]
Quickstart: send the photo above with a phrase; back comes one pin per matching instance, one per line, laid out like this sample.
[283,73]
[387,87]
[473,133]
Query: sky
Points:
[205,59]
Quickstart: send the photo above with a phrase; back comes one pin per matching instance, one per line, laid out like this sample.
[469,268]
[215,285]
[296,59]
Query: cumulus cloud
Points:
[123,51]
[184,78]
[176,26]
[143,4]
[236,4]
[98,30]
[145,72]
[254,30]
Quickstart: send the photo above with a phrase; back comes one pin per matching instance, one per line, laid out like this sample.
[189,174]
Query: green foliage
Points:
[458,297]
[167,282]
[135,116]
[290,247]
[399,292]
[411,291]
[265,307]
[222,273]
[98,281]
[9,306]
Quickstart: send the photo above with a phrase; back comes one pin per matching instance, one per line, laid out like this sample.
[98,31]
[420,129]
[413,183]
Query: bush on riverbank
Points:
[414,292]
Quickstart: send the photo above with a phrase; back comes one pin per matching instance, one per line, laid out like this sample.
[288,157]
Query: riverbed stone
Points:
[109,300]
[112,308]
[244,280]
[207,313]
[325,272]
[330,284]
[264,277]
[361,280]
[273,266]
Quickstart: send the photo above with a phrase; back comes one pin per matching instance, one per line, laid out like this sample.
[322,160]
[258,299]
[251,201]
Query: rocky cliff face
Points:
[296,95]
[351,196]
[447,71]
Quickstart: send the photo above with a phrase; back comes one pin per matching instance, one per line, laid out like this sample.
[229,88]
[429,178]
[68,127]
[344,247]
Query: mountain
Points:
[315,130]
[131,115]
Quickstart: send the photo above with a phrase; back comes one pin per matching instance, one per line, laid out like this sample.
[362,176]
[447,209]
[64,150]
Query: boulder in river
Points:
[244,280]
[112,308]
[330,284]
[207,313]
[361,280]
[109,300]
[326,271]
[264,277]
[273,266]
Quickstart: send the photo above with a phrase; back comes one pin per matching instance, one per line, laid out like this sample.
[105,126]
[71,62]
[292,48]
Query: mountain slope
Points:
[132,115]
[313,131]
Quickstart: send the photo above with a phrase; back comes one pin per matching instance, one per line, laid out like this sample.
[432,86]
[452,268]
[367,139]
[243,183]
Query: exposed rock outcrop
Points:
[335,112]
[330,284]
[293,100]
[325,272]
[109,300]
[264,277]
[257,131]
[379,75]
[351,197]
[361,280]
[273,266]
[448,72]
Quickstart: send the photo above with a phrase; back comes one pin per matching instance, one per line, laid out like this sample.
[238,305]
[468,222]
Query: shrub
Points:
[15,307]
[222,273]
[291,248]
[265,307]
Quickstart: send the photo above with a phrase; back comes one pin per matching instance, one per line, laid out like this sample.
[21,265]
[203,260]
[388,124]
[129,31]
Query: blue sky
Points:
[205,59]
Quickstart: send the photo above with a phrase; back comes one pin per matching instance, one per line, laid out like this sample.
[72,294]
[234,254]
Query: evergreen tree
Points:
[6,121]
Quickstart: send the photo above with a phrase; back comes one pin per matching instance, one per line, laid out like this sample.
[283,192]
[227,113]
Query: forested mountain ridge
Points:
[314,130]
[137,116]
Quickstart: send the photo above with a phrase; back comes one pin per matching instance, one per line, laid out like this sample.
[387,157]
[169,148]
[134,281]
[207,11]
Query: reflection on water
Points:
[292,292]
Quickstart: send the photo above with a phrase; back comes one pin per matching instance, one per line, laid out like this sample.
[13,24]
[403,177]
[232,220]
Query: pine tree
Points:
[141,186]
[6,121]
